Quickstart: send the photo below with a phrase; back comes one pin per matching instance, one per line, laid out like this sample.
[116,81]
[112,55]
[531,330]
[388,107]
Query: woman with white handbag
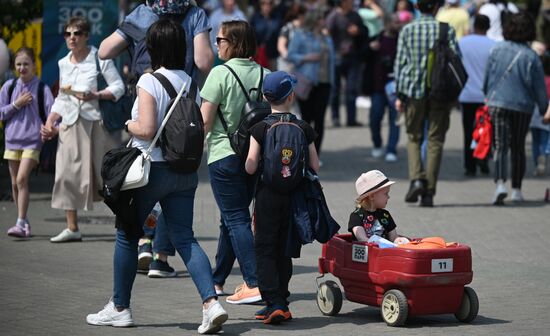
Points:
[173,190]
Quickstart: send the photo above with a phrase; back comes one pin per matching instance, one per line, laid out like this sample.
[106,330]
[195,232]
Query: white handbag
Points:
[138,174]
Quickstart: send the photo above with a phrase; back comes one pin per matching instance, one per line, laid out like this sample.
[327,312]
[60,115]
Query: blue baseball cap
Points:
[278,85]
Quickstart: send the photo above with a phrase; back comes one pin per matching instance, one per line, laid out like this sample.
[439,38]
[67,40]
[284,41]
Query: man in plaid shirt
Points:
[410,71]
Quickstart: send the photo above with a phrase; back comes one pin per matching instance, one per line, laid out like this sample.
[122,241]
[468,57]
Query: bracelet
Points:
[15,106]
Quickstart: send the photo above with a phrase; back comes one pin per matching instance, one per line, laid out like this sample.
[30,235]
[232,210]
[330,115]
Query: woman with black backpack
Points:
[223,101]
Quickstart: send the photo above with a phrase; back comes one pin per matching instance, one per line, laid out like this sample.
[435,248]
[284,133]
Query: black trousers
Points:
[509,133]
[273,268]
[313,110]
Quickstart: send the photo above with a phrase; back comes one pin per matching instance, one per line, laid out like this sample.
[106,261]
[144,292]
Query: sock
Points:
[21,222]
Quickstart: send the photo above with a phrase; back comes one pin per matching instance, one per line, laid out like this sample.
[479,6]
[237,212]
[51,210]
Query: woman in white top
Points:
[83,140]
[174,191]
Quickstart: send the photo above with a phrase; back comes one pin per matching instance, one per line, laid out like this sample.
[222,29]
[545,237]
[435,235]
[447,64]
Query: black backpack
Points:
[285,153]
[139,56]
[252,113]
[182,137]
[446,74]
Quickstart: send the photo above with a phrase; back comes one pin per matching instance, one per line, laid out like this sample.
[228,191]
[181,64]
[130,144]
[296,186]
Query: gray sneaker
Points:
[109,316]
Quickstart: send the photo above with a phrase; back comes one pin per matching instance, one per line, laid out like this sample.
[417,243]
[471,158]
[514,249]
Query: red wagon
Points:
[403,282]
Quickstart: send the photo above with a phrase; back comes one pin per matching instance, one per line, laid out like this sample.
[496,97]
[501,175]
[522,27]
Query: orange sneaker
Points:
[244,294]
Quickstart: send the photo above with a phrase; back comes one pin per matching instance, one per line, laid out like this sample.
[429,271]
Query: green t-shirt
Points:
[222,88]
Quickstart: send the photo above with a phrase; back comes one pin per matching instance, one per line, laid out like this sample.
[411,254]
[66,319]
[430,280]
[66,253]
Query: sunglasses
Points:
[220,39]
[77,33]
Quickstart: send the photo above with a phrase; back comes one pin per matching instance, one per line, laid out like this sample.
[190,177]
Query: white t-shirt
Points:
[152,86]
[493,12]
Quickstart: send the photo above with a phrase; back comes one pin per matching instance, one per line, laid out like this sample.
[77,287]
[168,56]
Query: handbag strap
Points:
[166,117]
[508,69]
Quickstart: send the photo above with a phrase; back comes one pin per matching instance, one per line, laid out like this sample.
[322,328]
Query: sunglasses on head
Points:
[75,33]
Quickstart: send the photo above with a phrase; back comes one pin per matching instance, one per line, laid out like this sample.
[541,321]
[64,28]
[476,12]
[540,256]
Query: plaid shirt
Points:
[415,40]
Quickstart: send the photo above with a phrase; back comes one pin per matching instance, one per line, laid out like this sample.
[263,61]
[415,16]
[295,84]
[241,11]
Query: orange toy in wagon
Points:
[423,277]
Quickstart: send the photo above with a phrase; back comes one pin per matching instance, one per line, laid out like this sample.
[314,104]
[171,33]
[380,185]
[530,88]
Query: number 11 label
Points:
[442,265]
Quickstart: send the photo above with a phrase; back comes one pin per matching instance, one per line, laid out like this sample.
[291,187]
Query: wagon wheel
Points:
[394,308]
[329,298]
[468,307]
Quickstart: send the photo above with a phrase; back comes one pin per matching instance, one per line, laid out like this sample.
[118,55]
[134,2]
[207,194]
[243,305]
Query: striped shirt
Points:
[415,40]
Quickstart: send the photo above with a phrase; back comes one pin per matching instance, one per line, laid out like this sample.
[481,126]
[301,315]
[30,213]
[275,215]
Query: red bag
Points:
[261,56]
[483,133]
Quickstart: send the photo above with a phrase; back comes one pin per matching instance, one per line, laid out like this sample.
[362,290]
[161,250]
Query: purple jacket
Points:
[22,127]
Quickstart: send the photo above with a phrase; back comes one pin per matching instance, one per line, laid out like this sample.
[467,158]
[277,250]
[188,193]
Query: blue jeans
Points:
[378,109]
[540,143]
[351,70]
[176,194]
[233,191]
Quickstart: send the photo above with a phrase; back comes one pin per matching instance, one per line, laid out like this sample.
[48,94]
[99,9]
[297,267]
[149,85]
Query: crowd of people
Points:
[301,56]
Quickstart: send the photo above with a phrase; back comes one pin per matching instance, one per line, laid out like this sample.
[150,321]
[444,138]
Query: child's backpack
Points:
[252,113]
[182,137]
[483,133]
[446,74]
[285,153]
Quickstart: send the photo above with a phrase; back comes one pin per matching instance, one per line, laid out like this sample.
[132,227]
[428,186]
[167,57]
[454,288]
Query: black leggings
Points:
[509,131]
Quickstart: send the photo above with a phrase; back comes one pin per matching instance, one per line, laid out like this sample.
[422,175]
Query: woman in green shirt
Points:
[231,185]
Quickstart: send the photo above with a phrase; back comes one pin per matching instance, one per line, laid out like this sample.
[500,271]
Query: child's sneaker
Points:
[20,231]
[277,314]
[262,313]
[161,269]
[244,294]
[145,257]
[212,319]
[109,316]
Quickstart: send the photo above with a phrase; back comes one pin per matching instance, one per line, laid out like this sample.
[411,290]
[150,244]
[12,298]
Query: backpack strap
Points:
[239,81]
[443,31]
[12,87]
[166,84]
[41,109]
[170,88]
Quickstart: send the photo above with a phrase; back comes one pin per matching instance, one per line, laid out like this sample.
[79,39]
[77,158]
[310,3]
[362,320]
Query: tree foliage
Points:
[17,15]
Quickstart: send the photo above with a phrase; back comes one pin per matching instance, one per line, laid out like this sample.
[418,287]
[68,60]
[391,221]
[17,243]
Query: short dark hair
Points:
[166,45]
[241,39]
[519,28]
[427,6]
[79,22]
[482,23]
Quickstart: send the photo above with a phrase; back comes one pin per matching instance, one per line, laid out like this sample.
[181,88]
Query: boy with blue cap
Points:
[272,207]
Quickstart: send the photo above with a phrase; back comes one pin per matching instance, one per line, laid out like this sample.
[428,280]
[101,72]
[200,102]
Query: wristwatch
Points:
[126,125]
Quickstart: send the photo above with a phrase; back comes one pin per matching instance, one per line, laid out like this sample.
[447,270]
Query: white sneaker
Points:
[517,196]
[391,157]
[109,316]
[212,319]
[500,194]
[67,236]
[377,152]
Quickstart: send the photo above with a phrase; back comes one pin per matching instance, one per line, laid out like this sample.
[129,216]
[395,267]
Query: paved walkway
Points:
[48,289]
